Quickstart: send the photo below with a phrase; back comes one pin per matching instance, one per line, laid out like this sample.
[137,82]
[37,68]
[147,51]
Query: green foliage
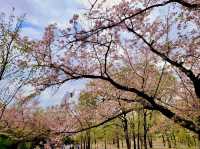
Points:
[86,99]
[8,143]
[68,140]
[26,145]
[5,142]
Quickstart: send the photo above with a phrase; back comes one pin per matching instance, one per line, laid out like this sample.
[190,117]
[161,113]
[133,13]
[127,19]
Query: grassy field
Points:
[156,145]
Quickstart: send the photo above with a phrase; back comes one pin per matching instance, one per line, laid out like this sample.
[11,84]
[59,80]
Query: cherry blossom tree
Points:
[13,71]
[150,38]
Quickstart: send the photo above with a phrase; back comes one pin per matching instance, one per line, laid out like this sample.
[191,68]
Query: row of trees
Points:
[135,128]
[135,60]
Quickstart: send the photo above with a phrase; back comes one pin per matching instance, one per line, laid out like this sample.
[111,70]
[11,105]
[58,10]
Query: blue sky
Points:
[54,96]
[40,13]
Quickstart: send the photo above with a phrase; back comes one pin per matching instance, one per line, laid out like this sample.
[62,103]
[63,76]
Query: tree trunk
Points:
[134,141]
[168,141]
[138,132]
[133,131]
[150,140]
[125,125]
[145,128]
[105,144]
[84,142]
[163,139]
[81,142]
[174,139]
[141,142]
[88,145]
[117,141]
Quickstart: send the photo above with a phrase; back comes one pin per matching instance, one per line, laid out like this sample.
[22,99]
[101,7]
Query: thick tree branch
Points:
[99,124]
[186,4]
[165,111]
[195,79]
[114,24]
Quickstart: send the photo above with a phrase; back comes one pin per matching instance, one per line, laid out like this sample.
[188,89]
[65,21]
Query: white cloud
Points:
[41,13]
[31,32]
[55,96]
[108,3]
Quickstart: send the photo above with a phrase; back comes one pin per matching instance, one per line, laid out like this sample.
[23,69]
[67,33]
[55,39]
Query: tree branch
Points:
[195,80]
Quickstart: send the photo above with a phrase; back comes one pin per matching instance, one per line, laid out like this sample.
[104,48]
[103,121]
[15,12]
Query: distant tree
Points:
[13,70]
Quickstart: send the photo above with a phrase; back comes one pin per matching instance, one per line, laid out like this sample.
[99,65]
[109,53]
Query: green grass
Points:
[156,145]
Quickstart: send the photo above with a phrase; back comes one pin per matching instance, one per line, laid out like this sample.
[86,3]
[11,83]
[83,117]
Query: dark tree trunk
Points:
[84,142]
[141,142]
[117,141]
[196,83]
[105,141]
[145,129]
[168,141]
[125,125]
[95,142]
[134,141]
[150,140]
[133,132]
[163,139]
[88,144]
[138,133]
[81,142]
[174,139]
[105,144]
